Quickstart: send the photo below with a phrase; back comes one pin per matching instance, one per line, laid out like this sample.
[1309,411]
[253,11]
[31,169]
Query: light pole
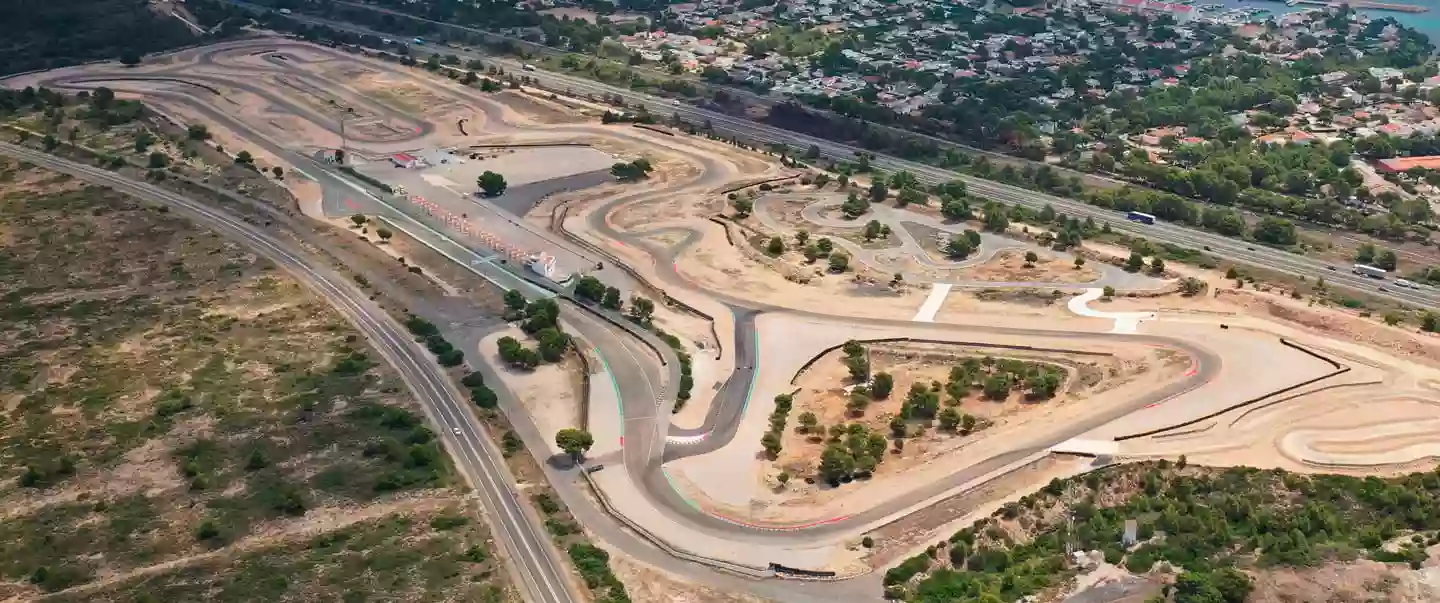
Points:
[344,144]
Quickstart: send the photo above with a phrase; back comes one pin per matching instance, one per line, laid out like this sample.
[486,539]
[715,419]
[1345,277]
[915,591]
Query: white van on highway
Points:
[1404,283]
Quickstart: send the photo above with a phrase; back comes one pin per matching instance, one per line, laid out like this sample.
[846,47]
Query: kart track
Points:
[692,496]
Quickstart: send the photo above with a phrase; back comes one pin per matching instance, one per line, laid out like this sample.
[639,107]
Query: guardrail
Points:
[721,221]
[1339,370]
[744,571]
[741,187]
[557,225]
[656,129]
[1021,348]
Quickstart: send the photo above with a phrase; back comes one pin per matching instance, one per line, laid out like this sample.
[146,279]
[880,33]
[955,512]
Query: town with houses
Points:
[915,57]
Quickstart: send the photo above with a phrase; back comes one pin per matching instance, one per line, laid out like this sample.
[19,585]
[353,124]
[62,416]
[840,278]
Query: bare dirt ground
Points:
[172,398]
[1402,398]
[650,585]
[551,392]
[824,391]
[1010,266]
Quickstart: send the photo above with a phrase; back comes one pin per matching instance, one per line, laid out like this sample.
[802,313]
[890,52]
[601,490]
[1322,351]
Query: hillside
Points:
[37,34]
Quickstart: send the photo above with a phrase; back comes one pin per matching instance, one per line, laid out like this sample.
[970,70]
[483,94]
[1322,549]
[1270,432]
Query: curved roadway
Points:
[642,385]
[541,575]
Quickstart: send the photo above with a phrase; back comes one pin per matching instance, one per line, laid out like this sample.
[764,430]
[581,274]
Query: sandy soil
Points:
[549,393]
[1309,433]
[647,584]
[823,391]
[1010,266]
[909,535]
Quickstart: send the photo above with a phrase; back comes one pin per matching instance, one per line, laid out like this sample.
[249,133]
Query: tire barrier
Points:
[1339,370]
[741,187]
[557,225]
[135,78]
[781,570]
[744,571]
[728,237]
[656,129]
[1001,346]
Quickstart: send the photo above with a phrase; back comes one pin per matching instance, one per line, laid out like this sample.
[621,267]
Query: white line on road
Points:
[1125,322]
[932,304]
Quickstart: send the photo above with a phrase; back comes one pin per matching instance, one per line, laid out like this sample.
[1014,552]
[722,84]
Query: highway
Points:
[758,133]
[643,386]
[542,577]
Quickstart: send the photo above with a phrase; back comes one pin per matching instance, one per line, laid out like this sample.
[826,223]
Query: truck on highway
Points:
[1370,271]
[419,41]
[1140,217]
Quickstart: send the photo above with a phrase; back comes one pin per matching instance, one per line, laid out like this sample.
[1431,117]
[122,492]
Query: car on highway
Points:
[1330,267]
[455,430]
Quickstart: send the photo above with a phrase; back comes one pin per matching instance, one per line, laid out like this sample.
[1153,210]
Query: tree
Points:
[958,247]
[1387,260]
[1191,286]
[883,384]
[552,344]
[1043,384]
[956,210]
[611,300]
[1365,254]
[158,160]
[836,463]
[872,230]
[949,419]
[1275,231]
[802,237]
[632,171]
[1108,292]
[878,191]
[771,442]
[854,206]
[1136,262]
[589,288]
[967,423]
[783,478]
[244,158]
[359,220]
[1157,266]
[515,301]
[197,132]
[491,183]
[997,387]
[642,310]
[808,422]
[909,196]
[574,442]
[1079,262]
[743,206]
[839,262]
[1031,257]
[129,58]
[776,246]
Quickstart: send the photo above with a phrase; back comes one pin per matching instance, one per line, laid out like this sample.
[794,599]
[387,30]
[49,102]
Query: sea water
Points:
[1427,23]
